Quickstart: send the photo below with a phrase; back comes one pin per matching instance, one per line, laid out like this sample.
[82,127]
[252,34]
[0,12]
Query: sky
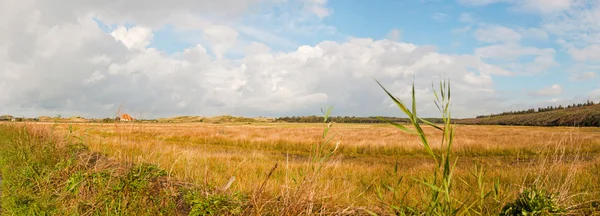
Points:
[275,58]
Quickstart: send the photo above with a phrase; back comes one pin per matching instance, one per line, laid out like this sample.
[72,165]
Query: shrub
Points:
[216,204]
[533,201]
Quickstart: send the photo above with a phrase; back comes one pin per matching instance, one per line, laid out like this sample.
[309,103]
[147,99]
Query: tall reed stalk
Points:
[439,200]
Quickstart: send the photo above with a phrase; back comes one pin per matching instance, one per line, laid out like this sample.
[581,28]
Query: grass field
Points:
[357,178]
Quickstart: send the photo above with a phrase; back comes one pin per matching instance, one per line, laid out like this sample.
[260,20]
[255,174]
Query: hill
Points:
[587,116]
[6,118]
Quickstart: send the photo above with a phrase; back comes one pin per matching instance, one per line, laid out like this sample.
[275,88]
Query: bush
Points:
[533,201]
[216,204]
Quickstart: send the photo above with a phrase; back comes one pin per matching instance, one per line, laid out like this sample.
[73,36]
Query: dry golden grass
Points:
[562,159]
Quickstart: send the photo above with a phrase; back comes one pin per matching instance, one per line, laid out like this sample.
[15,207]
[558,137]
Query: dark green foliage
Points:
[216,204]
[542,109]
[140,177]
[533,201]
[580,116]
[107,120]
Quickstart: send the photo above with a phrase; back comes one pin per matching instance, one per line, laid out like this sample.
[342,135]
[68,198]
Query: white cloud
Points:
[544,6]
[222,38]
[197,54]
[318,7]
[74,67]
[100,59]
[494,34]
[153,14]
[578,26]
[590,53]
[578,30]
[582,76]
[535,6]
[257,48]
[553,90]
[95,77]
[136,38]
[268,84]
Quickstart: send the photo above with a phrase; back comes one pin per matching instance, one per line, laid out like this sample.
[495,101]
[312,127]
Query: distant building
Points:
[125,117]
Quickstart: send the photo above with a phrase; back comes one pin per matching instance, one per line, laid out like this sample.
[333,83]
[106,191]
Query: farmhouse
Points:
[125,117]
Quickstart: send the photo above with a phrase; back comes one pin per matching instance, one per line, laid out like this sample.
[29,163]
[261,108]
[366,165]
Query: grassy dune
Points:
[369,157]
[575,116]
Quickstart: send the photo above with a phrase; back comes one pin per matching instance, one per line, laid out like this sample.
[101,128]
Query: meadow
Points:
[267,161]
[253,168]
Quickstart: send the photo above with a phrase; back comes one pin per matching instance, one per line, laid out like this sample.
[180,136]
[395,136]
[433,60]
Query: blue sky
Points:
[274,58]
[439,23]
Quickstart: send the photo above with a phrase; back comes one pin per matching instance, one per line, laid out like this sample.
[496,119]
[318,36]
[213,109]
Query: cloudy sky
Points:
[291,57]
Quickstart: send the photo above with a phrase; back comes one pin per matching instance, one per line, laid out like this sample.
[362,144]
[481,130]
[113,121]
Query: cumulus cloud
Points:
[553,90]
[256,48]
[74,67]
[95,77]
[222,38]
[136,38]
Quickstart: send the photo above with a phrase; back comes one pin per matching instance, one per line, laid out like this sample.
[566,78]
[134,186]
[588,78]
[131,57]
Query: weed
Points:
[216,204]
[533,201]
[440,184]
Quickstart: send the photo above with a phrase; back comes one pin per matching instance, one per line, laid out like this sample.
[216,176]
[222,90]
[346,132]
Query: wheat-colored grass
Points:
[562,159]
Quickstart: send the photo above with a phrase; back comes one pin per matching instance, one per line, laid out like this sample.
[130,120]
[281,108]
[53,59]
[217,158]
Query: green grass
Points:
[42,176]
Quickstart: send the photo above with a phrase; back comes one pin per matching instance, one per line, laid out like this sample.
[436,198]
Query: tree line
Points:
[541,109]
[350,119]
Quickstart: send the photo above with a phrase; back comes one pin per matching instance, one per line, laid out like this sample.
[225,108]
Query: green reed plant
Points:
[439,200]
